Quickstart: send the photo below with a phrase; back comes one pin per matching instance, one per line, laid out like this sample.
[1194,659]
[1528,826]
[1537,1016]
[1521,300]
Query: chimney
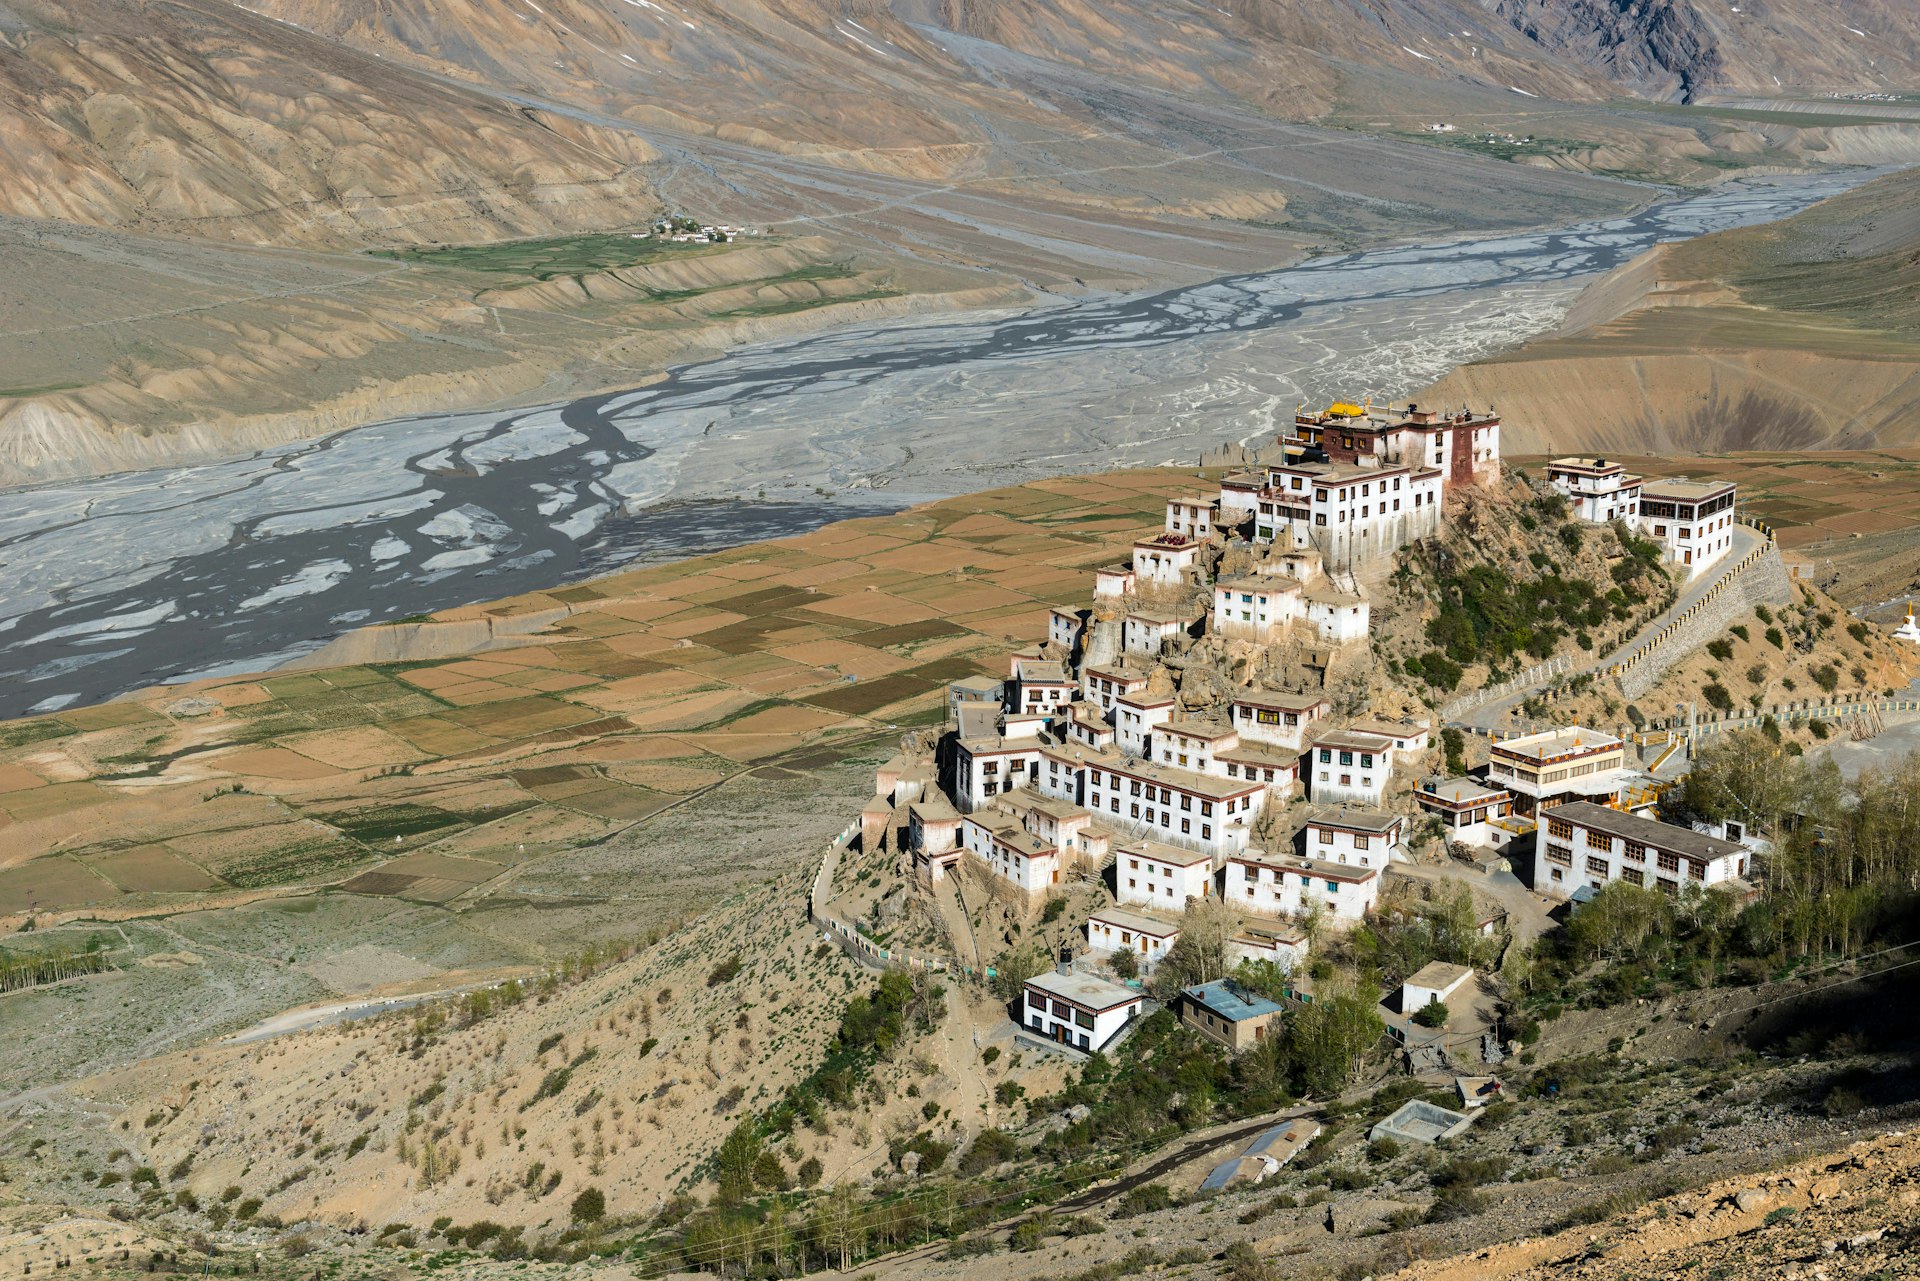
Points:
[1065,964]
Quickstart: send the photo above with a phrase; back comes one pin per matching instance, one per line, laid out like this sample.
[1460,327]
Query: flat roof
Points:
[1259,754]
[1351,741]
[1141,698]
[1043,674]
[1278,700]
[1162,852]
[1134,921]
[1460,791]
[1231,1001]
[1167,542]
[1186,780]
[934,809]
[1086,990]
[1257,583]
[1352,874]
[1392,729]
[1354,820]
[1682,490]
[1554,744]
[1583,464]
[1197,728]
[1439,974]
[1645,831]
[1119,671]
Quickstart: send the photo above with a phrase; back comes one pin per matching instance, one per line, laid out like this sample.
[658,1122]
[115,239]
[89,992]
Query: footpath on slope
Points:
[1489,716]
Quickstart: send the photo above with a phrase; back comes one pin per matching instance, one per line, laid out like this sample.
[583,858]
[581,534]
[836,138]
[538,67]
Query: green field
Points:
[552,256]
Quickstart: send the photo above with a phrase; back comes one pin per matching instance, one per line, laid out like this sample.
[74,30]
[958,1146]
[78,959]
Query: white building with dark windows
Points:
[1082,1011]
[1286,885]
[1347,766]
[1152,874]
[1115,929]
[1580,844]
[1352,837]
[1148,631]
[1277,718]
[1165,560]
[1101,683]
[1179,807]
[1136,716]
[1468,808]
[1191,515]
[1599,491]
[1691,519]
[1256,607]
[1066,626]
[1353,514]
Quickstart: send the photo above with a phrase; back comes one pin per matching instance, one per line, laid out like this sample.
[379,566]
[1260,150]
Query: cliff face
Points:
[1680,49]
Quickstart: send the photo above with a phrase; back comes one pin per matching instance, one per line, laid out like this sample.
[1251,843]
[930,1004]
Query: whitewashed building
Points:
[1078,1010]
[1136,716]
[1066,626]
[1285,885]
[1153,874]
[1110,582]
[1599,491]
[1256,607]
[1691,519]
[1165,560]
[1191,516]
[1352,837]
[1274,944]
[1115,929]
[1352,514]
[1148,631]
[1348,766]
[1177,806]
[1276,718]
[1582,844]
[1468,808]
[1101,683]
[1575,763]
[1338,617]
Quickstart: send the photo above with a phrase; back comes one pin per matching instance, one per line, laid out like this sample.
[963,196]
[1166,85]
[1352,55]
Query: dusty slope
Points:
[1804,334]
[1849,1214]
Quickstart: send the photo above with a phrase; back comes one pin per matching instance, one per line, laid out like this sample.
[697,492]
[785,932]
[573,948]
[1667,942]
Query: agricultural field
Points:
[246,844]
[551,257]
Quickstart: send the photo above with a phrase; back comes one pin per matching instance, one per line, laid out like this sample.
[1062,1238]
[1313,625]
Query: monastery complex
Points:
[1104,755]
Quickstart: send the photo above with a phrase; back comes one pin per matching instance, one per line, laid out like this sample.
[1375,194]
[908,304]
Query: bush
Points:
[1432,1014]
[589,1206]
[1775,639]
[1124,963]
[1721,649]
[724,972]
[1456,1203]
[1051,912]
[1145,1199]
[1717,697]
[1827,677]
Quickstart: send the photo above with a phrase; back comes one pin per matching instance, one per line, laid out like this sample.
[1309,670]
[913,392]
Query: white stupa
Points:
[1909,630]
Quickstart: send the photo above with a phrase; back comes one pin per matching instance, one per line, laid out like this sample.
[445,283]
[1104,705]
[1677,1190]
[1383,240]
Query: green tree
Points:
[736,1161]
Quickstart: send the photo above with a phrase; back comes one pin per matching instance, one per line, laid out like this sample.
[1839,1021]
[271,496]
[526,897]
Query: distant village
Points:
[1082,764]
[681,230]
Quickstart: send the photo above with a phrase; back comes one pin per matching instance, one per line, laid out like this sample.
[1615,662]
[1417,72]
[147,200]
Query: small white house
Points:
[1273,944]
[1256,607]
[1352,837]
[1348,766]
[1110,582]
[1101,683]
[1136,716]
[1078,1010]
[1191,516]
[1152,874]
[1434,981]
[1147,631]
[1115,929]
[1276,718]
[1337,617]
[1189,744]
[1065,626]
[1467,806]
[1165,560]
[1271,885]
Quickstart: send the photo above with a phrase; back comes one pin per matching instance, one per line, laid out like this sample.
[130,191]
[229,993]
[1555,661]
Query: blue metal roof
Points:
[1231,1001]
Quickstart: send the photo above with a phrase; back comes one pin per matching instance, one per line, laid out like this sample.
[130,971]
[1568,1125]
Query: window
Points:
[1636,853]
[1083,1018]
[1668,862]
[1599,841]
[1598,865]
[1346,758]
[1560,854]
[1633,876]
[1561,828]
[1326,835]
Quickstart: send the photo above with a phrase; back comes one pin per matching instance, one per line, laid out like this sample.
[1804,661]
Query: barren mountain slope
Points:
[202,117]
[1798,335]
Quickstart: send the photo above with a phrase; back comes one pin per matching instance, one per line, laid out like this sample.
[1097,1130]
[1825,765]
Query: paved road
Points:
[111,584]
[1493,716]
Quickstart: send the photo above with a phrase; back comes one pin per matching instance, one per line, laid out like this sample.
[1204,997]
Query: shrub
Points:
[1721,649]
[1717,697]
[1762,613]
[1859,632]
[989,1149]
[724,972]
[1827,677]
[1144,1199]
[1775,639]
[810,1172]
[990,1055]
[1125,964]
[1051,912]
[1432,1014]
[1740,630]
[589,1205]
